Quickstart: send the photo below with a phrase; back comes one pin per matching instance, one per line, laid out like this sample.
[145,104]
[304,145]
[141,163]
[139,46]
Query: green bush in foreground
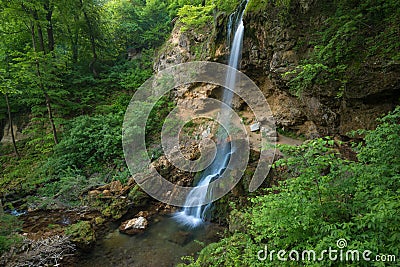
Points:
[9,225]
[324,198]
[88,143]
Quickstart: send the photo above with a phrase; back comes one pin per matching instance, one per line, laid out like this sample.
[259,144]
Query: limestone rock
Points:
[255,127]
[287,110]
[309,130]
[134,226]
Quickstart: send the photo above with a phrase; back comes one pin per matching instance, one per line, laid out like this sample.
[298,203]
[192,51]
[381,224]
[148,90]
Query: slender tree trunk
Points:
[47,97]
[1,208]
[49,27]
[40,36]
[75,50]
[39,30]
[11,126]
[50,36]
[51,119]
[92,41]
[74,41]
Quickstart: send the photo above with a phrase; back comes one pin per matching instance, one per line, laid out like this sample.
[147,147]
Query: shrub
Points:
[9,226]
[324,198]
[88,143]
[194,17]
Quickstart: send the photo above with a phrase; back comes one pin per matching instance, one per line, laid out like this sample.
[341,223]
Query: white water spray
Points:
[194,213]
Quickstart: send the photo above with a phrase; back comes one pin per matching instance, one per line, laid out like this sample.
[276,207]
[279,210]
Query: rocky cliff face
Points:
[273,46]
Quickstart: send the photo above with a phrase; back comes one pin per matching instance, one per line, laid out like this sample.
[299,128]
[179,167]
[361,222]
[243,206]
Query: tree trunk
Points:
[75,50]
[47,97]
[51,119]
[1,208]
[50,36]
[11,126]
[41,40]
[49,27]
[92,41]
[74,37]
[39,30]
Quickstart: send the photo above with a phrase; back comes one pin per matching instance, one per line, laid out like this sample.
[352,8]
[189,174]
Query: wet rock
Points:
[134,226]
[356,114]
[115,208]
[82,234]
[144,214]
[181,238]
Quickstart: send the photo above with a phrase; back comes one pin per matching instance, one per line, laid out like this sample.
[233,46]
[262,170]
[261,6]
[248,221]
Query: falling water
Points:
[194,213]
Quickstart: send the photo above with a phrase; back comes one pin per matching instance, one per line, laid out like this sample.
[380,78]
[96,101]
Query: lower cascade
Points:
[194,214]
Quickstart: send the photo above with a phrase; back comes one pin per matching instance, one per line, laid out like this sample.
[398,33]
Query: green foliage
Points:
[22,179]
[385,138]
[197,14]
[225,6]
[9,226]
[70,187]
[88,107]
[352,35]
[88,143]
[132,74]
[137,196]
[323,198]
[138,24]
[157,117]
[113,209]
[81,233]
[305,76]
[257,6]
[175,5]
[195,17]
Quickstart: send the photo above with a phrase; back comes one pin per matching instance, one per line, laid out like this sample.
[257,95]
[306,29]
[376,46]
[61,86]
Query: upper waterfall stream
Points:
[195,214]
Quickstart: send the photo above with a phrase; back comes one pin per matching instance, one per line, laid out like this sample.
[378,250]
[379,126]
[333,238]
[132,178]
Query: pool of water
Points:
[162,244]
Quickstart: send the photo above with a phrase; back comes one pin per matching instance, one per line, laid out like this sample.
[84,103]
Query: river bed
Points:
[162,244]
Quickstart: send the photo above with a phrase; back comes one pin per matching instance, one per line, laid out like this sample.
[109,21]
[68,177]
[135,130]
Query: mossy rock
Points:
[82,234]
[116,209]
[137,197]
[99,220]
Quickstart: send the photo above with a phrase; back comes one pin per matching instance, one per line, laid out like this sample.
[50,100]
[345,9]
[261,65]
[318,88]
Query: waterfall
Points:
[194,213]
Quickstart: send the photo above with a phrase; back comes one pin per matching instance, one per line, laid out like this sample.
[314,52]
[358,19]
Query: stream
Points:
[162,244]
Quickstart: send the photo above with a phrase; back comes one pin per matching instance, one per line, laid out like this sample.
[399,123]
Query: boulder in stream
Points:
[134,226]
